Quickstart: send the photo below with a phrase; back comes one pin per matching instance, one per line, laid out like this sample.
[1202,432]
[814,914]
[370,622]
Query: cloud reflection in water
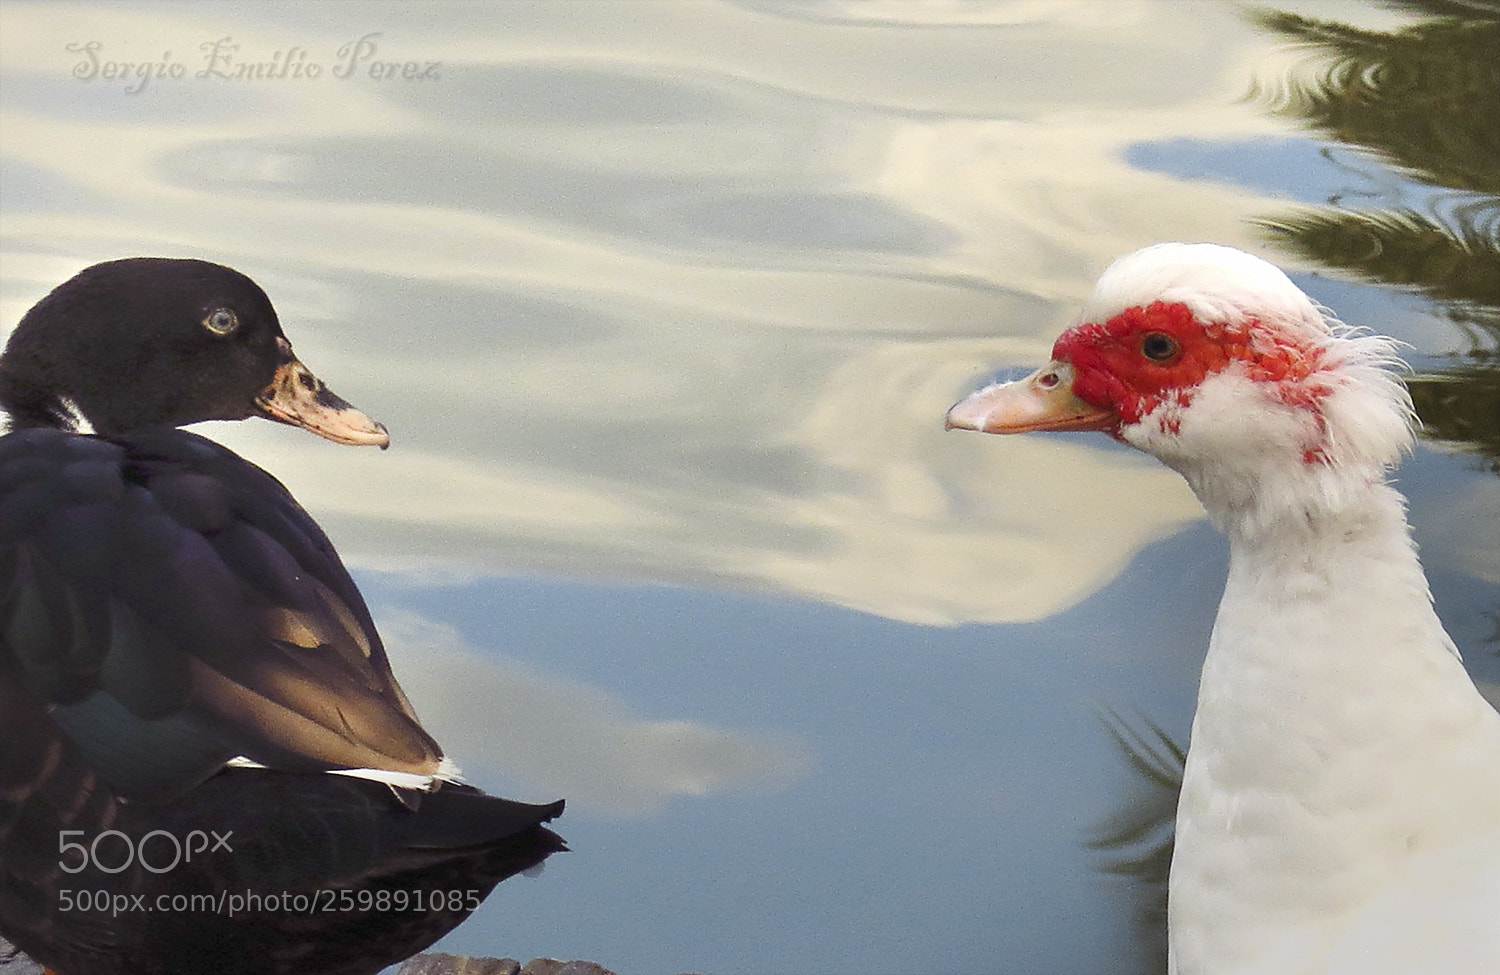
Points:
[555,736]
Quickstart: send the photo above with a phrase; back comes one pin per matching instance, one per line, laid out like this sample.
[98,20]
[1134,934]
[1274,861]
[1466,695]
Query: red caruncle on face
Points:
[1147,355]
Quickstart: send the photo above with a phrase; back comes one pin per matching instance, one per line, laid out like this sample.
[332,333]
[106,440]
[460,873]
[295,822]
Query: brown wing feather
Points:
[177,607]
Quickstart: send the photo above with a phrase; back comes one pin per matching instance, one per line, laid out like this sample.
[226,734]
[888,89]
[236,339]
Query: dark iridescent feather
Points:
[177,580]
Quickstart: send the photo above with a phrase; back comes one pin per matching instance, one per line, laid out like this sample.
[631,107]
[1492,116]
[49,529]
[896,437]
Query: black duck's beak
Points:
[299,398]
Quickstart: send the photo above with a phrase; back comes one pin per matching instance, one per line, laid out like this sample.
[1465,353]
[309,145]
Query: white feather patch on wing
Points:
[448,771]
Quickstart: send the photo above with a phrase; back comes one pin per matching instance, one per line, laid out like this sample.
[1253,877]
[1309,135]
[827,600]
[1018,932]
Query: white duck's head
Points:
[1211,360]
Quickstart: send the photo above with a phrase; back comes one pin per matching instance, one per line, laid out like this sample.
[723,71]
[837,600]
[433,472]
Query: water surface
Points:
[663,303]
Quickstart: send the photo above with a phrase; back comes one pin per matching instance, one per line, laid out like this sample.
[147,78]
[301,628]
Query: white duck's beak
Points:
[1043,400]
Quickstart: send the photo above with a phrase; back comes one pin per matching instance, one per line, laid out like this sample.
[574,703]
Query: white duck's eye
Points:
[1158,346]
[221,321]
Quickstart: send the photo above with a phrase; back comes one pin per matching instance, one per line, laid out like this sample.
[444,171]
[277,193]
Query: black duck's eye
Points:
[221,321]
[1158,346]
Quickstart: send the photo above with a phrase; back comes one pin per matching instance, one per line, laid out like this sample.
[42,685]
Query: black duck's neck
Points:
[30,404]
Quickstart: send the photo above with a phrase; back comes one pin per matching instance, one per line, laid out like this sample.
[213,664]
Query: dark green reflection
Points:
[1424,101]
[1137,839]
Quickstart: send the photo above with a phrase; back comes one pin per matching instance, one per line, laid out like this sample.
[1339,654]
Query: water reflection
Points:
[1422,100]
[570,738]
[1137,840]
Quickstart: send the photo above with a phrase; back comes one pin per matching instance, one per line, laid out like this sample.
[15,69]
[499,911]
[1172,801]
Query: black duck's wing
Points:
[174,607]
[378,881]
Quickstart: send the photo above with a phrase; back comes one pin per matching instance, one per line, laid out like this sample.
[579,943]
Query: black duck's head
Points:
[152,342]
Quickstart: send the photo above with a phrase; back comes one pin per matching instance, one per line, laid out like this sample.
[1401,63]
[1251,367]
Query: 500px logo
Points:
[157,852]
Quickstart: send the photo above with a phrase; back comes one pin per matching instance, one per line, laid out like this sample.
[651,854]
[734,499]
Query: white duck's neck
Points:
[1317,609]
[1306,776]
[1276,497]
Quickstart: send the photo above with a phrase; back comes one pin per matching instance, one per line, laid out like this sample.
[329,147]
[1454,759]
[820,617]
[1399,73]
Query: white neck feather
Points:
[1265,457]
[1338,747]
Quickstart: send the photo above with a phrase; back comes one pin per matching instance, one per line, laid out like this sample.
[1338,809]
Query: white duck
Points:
[1340,807]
